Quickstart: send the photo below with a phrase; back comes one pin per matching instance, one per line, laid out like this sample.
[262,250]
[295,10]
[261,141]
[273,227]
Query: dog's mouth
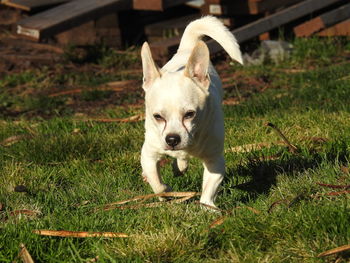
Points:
[174,148]
[169,148]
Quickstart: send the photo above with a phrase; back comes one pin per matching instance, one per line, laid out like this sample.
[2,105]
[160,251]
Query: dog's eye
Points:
[158,117]
[189,114]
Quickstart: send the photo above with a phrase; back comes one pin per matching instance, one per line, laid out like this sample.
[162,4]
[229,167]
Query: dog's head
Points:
[176,101]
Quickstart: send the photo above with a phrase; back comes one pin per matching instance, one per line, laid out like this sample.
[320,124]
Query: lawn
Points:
[60,165]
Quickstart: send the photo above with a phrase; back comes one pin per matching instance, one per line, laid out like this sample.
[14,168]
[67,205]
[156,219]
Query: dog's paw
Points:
[179,167]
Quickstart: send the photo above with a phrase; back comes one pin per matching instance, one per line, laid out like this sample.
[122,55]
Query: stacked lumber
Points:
[333,22]
[87,22]
[81,22]
[333,18]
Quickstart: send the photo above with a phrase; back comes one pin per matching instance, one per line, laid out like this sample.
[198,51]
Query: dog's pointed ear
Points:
[198,64]
[150,69]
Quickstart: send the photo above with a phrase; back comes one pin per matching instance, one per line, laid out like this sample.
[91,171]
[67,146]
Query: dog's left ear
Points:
[198,64]
[150,69]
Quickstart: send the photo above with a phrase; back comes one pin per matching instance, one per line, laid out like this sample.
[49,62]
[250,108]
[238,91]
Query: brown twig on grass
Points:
[135,118]
[65,233]
[110,86]
[334,251]
[24,255]
[119,205]
[333,186]
[14,139]
[291,147]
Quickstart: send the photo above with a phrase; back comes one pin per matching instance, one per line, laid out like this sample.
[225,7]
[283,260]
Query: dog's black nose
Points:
[172,139]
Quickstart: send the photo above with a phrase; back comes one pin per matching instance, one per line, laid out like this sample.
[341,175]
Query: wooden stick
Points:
[117,205]
[24,255]
[65,233]
[334,251]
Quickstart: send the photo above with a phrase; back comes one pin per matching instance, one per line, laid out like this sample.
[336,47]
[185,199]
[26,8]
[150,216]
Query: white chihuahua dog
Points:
[183,108]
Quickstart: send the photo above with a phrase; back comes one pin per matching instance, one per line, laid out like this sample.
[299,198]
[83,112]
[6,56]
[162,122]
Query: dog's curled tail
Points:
[212,27]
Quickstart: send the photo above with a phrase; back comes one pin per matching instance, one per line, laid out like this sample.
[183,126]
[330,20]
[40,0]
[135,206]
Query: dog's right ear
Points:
[150,69]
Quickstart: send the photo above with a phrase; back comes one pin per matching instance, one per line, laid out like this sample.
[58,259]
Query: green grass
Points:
[70,167]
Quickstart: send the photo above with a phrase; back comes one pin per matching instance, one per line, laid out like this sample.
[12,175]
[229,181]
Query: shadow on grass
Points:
[263,173]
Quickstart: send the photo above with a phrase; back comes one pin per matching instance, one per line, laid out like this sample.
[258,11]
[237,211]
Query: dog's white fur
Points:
[183,107]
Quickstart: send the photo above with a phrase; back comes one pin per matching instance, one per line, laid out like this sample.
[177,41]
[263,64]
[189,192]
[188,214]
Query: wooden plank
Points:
[156,5]
[66,16]
[340,29]
[239,7]
[244,33]
[323,21]
[32,5]
[103,30]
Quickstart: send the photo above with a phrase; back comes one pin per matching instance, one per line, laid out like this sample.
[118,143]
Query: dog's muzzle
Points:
[173,140]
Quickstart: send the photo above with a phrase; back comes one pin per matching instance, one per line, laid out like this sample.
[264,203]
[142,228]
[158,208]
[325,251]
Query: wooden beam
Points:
[66,16]
[340,29]
[323,21]
[32,5]
[156,5]
[239,7]
[251,30]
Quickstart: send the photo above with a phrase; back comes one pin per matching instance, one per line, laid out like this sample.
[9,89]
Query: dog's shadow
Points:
[260,176]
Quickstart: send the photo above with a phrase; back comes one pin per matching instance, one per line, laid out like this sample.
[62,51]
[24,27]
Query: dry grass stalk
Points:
[118,205]
[65,233]
[24,255]
[249,147]
[334,251]
[14,139]
[274,204]
[110,86]
[291,147]
[135,118]
[23,212]
[334,186]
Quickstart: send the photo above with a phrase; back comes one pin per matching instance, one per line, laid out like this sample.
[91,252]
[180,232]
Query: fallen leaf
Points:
[217,222]
[24,255]
[65,233]
[334,251]
[344,169]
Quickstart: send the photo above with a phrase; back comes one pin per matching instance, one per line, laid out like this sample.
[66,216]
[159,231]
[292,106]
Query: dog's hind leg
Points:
[179,166]
[150,171]
[214,170]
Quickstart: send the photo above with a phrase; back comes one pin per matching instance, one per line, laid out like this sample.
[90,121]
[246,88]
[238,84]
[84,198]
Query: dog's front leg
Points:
[214,170]
[150,171]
